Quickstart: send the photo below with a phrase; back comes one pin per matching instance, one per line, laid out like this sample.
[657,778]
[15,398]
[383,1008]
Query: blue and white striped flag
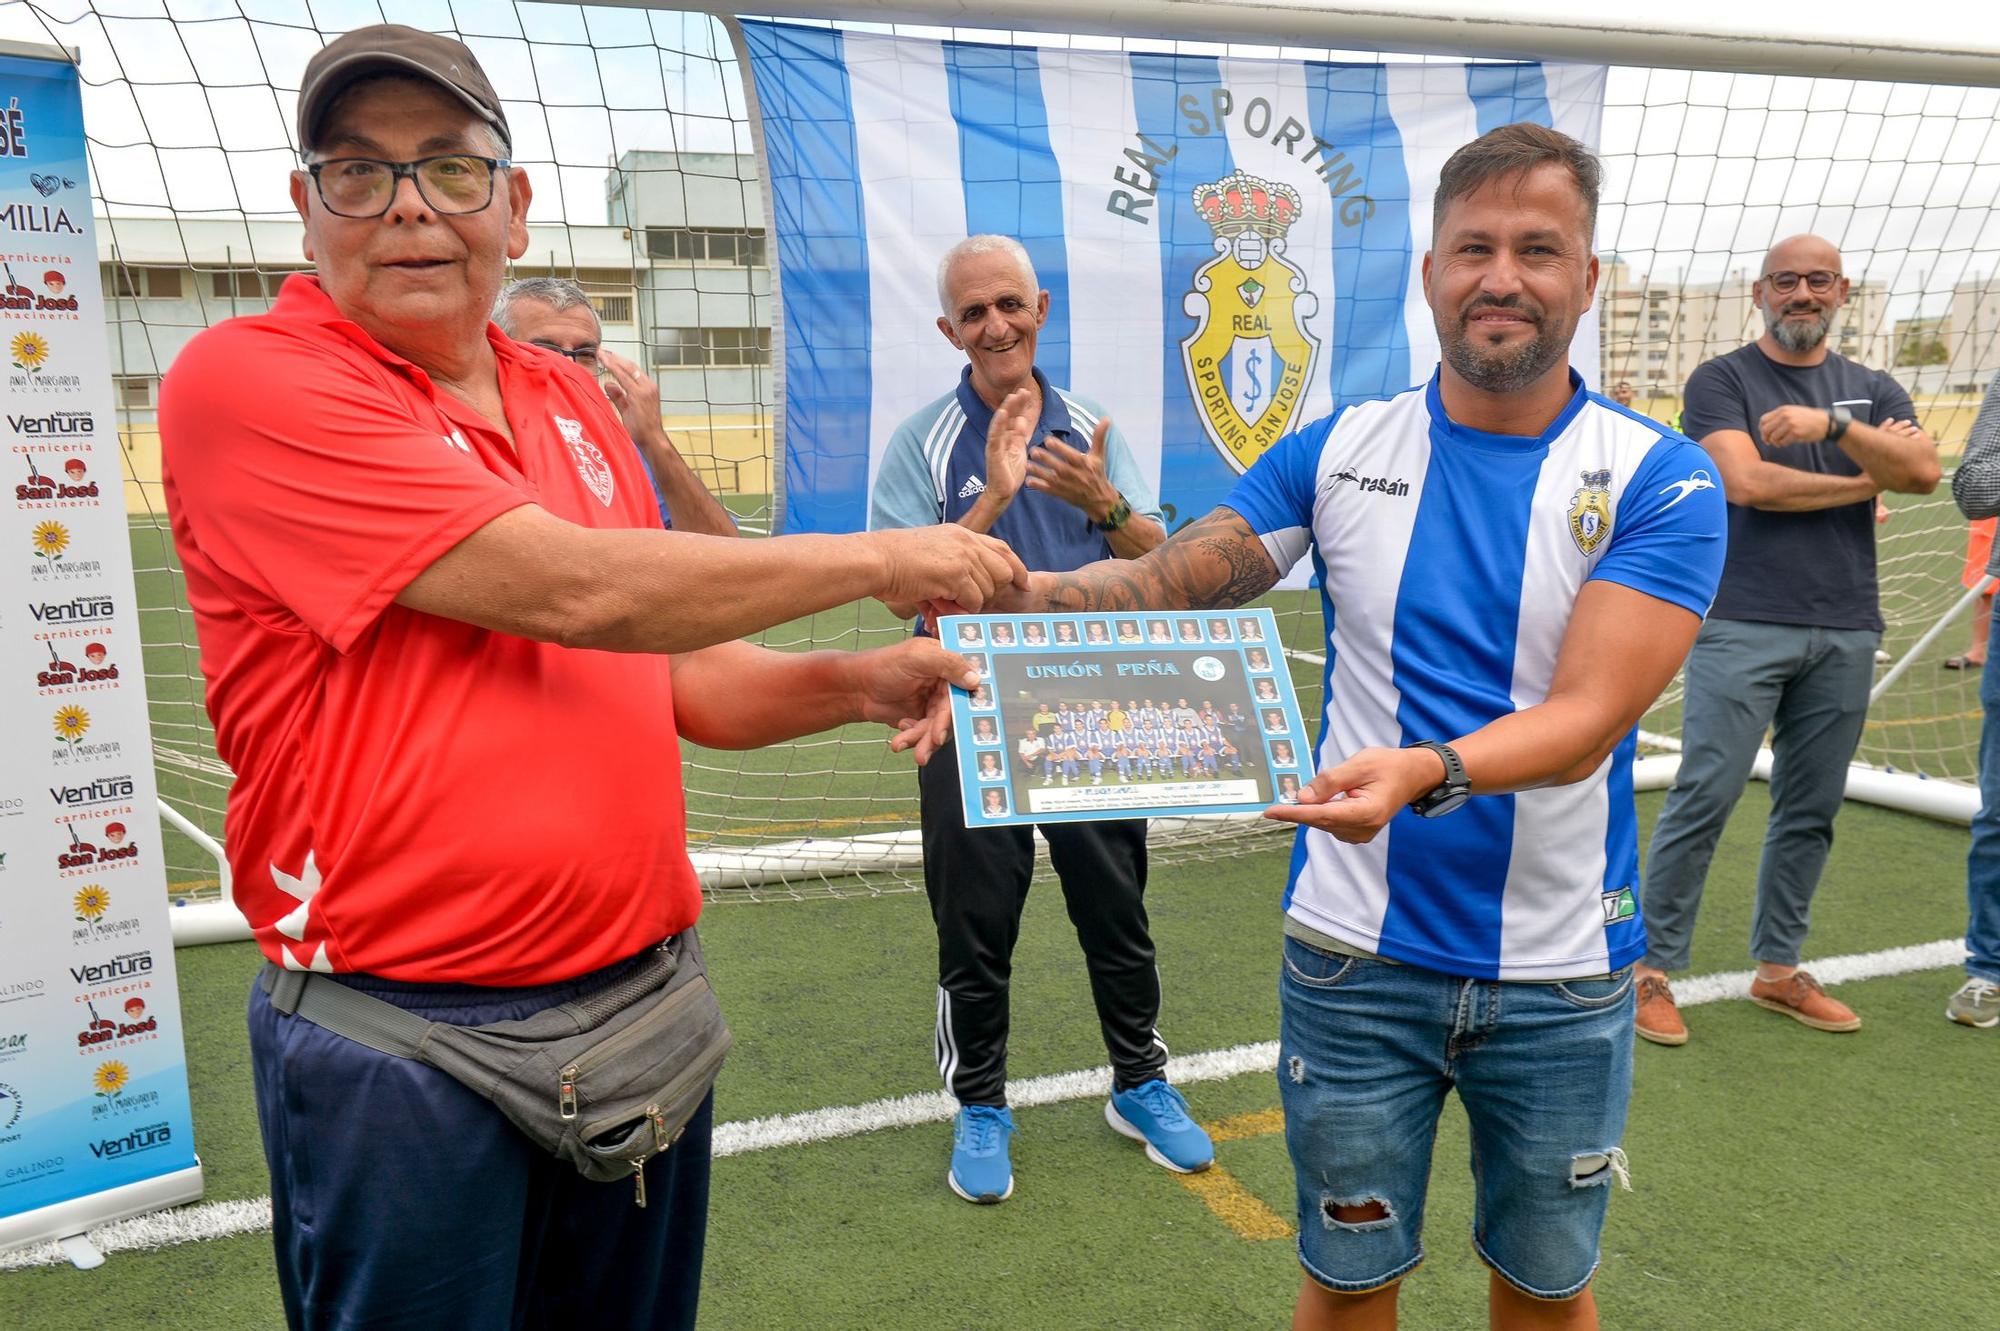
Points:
[1232,248]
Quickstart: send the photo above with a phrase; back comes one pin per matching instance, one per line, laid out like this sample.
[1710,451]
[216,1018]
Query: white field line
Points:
[217,1220]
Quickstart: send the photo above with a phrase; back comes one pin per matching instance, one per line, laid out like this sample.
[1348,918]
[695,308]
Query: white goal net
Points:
[633,125]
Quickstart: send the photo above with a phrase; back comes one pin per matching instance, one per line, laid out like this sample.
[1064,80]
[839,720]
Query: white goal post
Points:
[1445,28]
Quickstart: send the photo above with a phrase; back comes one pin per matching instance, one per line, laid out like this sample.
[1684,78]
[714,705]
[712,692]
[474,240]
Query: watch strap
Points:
[1449,793]
[1120,514]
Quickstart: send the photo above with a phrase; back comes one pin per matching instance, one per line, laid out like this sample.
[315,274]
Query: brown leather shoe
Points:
[1800,997]
[1657,1019]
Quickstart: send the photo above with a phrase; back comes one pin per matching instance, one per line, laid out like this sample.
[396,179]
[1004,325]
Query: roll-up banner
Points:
[95,1123]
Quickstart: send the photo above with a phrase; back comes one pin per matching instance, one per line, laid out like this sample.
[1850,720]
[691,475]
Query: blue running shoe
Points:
[1155,1113]
[980,1170]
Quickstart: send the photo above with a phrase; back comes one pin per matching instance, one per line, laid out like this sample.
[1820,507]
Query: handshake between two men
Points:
[1217,562]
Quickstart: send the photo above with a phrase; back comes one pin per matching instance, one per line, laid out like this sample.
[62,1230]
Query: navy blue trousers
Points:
[401,1199]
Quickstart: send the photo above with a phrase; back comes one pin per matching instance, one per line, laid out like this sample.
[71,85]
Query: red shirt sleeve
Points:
[316,481]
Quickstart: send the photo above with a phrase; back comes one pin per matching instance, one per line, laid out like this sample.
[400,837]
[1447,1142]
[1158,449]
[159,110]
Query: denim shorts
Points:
[1367,1050]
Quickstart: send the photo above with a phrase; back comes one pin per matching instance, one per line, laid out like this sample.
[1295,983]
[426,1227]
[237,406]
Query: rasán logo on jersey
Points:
[1394,487]
[1251,354]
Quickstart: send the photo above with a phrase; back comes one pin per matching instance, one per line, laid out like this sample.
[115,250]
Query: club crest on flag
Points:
[1590,511]
[1250,354]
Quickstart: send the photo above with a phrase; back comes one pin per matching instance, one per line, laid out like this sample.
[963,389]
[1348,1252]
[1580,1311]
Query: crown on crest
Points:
[1241,202]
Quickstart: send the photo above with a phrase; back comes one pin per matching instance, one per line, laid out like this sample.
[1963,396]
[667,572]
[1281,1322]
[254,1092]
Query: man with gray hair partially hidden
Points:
[555,314]
[1073,498]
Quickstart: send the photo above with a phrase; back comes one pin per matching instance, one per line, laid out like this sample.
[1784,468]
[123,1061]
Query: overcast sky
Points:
[188,103]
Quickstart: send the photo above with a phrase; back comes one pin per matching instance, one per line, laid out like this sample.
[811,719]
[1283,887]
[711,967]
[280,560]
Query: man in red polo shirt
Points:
[450,654]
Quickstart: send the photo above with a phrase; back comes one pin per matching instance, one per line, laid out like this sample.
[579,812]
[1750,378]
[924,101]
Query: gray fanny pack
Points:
[605,1081]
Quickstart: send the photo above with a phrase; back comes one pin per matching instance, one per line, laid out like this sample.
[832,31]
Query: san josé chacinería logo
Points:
[1250,355]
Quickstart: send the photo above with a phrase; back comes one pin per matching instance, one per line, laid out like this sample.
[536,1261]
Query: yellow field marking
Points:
[194,884]
[1263,1123]
[1236,1206]
[1232,1203]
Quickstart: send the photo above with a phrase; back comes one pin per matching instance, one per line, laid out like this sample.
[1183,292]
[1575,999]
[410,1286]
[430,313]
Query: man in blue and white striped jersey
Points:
[1062,493]
[1512,569]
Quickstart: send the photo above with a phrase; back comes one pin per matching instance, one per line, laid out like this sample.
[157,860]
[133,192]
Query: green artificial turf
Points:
[1784,1178]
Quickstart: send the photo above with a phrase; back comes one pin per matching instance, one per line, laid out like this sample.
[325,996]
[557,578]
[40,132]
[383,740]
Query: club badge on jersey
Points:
[1590,511]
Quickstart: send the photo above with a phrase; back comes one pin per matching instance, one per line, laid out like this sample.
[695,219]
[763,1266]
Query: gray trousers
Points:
[1809,686]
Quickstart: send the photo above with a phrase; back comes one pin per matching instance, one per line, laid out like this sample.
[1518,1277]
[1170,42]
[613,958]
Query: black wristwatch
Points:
[1837,421]
[1448,794]
[1120,514]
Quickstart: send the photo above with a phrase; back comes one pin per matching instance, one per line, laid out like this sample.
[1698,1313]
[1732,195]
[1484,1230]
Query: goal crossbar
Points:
[1428,27]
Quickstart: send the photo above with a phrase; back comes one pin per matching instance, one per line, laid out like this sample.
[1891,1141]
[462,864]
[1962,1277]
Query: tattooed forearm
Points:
[1212,564]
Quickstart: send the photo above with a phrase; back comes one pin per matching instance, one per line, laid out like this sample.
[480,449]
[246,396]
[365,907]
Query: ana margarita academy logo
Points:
[28,350]
[95,922]
[72,723]
[111,1083]
[33,358]
[55,558]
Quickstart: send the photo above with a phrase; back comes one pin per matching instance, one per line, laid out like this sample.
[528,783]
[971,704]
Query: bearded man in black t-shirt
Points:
[1804,440]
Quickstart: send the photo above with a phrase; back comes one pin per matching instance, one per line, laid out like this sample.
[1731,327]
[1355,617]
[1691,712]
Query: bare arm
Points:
[1752,482]
[738,696]
[533,575]
[1620,650]
[1137,537]
[1211,564]
[689,503]
[1897,455]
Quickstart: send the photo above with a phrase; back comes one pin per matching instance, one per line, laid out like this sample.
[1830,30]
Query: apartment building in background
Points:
[677,274]
[1656,329]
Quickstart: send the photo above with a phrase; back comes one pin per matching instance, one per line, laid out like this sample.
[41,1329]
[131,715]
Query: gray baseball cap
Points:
[391,48]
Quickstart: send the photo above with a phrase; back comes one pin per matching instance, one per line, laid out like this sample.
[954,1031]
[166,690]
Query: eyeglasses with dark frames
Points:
[1819,281]
[584,356]
[364,187]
